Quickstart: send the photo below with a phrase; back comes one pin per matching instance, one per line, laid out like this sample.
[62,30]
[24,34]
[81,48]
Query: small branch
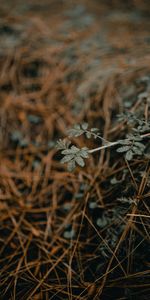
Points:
[104,147]
[97,136]
[111,144]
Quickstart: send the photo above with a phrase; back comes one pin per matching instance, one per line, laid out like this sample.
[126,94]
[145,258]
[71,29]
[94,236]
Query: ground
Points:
[84,234]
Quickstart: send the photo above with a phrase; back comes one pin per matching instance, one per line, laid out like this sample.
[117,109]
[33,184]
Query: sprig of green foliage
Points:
[137,125]
[131,146]
[72,155]
[79,130]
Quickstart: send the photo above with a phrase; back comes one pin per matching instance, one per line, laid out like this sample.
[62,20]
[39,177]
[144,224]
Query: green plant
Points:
[132,145]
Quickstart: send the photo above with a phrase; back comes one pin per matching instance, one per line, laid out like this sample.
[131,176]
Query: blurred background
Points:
[63,62]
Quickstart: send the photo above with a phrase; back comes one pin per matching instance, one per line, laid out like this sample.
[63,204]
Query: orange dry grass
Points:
[37,261]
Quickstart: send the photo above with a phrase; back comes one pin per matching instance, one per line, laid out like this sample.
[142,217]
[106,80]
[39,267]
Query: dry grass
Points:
[48,81]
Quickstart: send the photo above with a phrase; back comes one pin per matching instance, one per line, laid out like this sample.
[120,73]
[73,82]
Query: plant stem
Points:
[97,136]
[111,144]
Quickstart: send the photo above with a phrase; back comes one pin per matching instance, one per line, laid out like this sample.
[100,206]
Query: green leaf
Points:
[84,126]
[124,142]
[94,129]
[129,155]
[84,154]
[123,149]
[137,151]
[69,234]
[67,151]
[66,158]
[79,160]
[77,126]
[85,149]
[88,135]
[134,137]
[95,136]
[75,132]
[92,205]
[114,180]
[62,144]
[102,222]
[140,145]
[71,166]
[72,150]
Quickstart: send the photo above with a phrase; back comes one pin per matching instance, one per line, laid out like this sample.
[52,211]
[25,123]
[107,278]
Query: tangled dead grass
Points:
[62,235]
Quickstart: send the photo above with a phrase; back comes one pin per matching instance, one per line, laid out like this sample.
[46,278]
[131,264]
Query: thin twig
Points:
[111,144]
